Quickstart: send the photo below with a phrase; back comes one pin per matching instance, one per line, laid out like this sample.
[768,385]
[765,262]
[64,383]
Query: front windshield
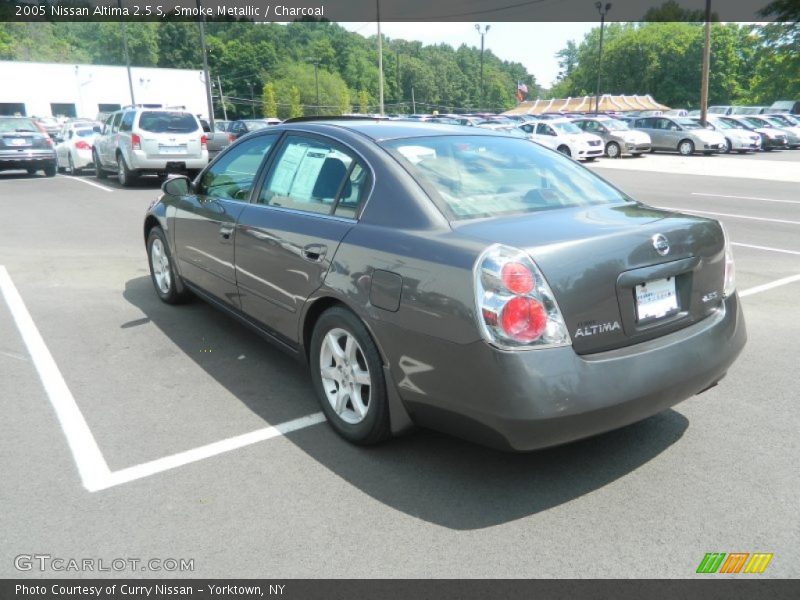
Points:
[720,124]
[756,122]
[11,125]
[255,125]
[689,124]
[733,124]
[615,125]
[776,122]
[569,128]
[488,176]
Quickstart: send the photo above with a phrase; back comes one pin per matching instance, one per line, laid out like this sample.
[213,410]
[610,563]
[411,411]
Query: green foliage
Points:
[246,56]
[269,107]
[748,63]
[363,102]
[295,109]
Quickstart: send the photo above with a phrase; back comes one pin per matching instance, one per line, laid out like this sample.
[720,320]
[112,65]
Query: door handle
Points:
[314,252]
[225,232]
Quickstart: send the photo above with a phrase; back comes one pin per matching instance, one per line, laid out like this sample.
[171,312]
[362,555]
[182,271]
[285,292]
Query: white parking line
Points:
[719,214]
[196,454]
[90,462]
[87,182]
[768,248]
[92,467]
[746,198]
[768,286]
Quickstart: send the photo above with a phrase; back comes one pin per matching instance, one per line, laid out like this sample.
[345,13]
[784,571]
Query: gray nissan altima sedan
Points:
[453,278]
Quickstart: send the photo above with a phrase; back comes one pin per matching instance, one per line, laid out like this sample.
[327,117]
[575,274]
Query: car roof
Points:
[381,130]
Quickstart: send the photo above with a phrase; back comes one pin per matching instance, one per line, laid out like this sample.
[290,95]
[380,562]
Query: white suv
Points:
[139,140]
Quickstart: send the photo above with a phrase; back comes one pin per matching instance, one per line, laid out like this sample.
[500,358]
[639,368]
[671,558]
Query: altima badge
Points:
[661,244]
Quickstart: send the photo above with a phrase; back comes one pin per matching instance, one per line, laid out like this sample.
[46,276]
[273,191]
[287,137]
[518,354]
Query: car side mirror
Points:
[177,185]
[97,129]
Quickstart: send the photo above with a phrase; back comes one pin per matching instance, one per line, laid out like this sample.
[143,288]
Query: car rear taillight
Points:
[516,307]
[231,138]
[729,281]
[136,142]
[81,145]
[203,141]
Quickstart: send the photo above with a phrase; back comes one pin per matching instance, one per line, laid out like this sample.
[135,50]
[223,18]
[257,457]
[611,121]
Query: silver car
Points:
[138,140]
[618,138]
[737,136]
[681,134]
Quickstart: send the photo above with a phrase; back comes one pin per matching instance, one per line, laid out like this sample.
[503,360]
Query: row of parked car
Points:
[141,140]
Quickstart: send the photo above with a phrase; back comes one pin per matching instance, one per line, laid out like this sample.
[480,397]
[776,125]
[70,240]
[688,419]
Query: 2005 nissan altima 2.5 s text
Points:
[453,278]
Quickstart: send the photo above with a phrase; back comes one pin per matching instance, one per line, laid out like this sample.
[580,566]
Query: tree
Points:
[344,102]
[295,109]
[363,101]
[268,105]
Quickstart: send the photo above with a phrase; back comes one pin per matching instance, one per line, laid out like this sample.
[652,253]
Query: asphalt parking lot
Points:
[133,429]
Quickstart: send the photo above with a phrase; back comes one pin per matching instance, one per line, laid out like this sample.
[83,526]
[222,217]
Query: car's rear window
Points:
[161,121]
[11,125]
[486,176]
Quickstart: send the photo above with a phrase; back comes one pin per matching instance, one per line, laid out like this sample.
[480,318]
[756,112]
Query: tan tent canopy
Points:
[586,104]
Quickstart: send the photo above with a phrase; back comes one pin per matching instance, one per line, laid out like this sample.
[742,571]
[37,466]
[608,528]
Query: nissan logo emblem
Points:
[661,244]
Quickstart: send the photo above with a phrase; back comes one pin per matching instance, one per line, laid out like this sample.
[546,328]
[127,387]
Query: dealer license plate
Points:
[656,299]
[172,149]
[18,142]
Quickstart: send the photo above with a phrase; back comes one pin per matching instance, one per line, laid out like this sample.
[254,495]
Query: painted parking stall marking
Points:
[92,467]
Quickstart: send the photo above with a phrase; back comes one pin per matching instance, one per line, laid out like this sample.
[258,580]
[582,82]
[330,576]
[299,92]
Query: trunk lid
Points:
[595,257]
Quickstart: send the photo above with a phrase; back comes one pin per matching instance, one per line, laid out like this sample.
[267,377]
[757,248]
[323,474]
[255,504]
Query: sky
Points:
[532,44]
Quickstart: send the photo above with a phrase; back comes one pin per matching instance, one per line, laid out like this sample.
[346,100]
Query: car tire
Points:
[613,150]
[728,146]
[361,413]
[32,170]
[686,147]
[125,176]
[98,166]
[565,150]
[71,165]
[51,169]
[167,283]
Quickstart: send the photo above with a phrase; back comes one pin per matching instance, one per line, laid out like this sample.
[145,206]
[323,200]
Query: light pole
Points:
[127,55]
[252,101]
[205,69]
[315,62]
[482,34]
[706,61]
[603,10]
[380,58]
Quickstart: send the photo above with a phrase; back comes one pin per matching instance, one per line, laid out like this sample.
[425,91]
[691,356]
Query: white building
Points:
[53,89]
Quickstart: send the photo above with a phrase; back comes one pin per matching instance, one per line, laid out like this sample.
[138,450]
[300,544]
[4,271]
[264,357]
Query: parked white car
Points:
[74,146]
[566,137]
[142,140]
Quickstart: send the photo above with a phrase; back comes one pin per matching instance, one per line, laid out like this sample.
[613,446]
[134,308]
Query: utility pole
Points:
[127,56]
[413,102]
[399,89]
[603,10]
[252,101]
[202,24]
[315,62]
[222,98]
[706,65]
[482,34]
[380,58]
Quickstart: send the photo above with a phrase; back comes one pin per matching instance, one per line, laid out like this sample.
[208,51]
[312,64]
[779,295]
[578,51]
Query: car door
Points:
[62,146]
[205,220]
[671,132]
[650,126]
[108,149]
[287,238]
[546,135]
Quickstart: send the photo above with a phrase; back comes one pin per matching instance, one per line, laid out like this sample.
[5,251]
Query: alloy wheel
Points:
[160,262]
[345,376]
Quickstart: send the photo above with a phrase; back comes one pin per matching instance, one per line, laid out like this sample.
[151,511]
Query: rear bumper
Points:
[140,161]
[21,159]
[527,400]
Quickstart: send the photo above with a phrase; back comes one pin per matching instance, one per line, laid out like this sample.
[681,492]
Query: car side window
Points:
[354,192]
[107,125]
[232,176]
[115,123]
[308,175]
[541,129]
[527,128]
[127,121]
